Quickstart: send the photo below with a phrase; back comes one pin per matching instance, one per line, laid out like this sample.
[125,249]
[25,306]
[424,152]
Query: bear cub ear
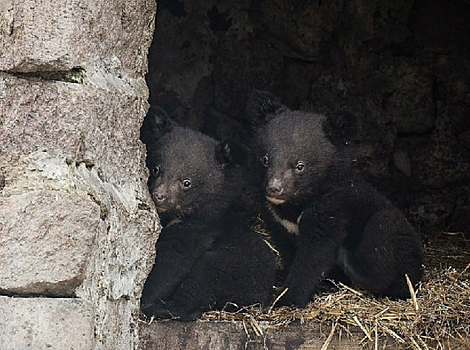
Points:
[260,106]
[232,152]
[159,119]
[223,153]
[341,128]
[156,124]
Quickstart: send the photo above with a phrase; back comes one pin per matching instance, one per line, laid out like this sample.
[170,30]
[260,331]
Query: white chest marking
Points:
[291,227]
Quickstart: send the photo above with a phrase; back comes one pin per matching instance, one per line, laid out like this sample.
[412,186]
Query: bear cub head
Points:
[301,152]
[186,174]
[293,168]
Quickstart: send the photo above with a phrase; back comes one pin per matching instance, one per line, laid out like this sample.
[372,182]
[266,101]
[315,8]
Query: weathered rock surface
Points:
[45,242]
[75,215]
[41,36]
[408,100]
[55,139]
[72,120]
[77,144]
[45,323]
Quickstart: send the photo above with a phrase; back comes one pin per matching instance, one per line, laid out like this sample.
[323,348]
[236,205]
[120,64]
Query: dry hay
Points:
[438,312]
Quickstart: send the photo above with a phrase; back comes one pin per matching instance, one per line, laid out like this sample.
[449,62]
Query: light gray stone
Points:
[6,20]
[74,203]
[80,122]
[83,140]
[45,324]
[59,35]
[45,241]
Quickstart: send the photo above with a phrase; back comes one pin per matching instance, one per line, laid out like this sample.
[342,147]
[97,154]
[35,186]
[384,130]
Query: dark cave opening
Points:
[401,67]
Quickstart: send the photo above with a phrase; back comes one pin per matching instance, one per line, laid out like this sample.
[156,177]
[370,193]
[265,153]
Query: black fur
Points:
[326,220]
[207,258]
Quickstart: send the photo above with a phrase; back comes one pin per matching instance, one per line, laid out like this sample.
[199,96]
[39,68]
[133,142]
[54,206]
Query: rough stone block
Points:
[80,122]
[82,139]
[45,242]
[75,214]
[44,323]
[54,35]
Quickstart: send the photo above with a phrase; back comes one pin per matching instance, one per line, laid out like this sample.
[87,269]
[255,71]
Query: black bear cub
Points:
[206,257]
[325,219]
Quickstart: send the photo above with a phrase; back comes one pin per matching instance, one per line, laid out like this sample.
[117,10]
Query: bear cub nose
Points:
[159,197]
[274,188]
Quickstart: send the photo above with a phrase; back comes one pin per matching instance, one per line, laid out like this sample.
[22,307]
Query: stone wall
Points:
[77,226]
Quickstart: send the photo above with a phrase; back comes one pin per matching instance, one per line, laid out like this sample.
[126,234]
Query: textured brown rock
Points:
[76,218]
[58,36]
[302,27]
[45,323]
[45,241]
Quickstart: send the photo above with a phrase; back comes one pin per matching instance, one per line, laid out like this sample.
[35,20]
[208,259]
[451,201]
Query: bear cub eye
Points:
[265,161]
[186,184]
[156,171]
[299,167]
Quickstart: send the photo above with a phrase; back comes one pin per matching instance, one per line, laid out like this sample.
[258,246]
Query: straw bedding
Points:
[437,315]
